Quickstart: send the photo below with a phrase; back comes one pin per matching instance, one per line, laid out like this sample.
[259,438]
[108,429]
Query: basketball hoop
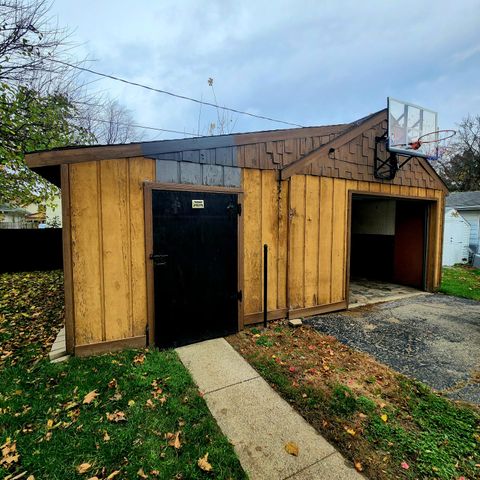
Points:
[432,137]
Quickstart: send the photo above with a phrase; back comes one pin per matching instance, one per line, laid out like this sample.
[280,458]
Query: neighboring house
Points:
[12,217]
[31,216]
[468,205]
[456,238]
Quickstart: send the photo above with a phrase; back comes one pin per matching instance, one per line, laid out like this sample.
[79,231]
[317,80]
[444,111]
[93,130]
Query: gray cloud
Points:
[312,62]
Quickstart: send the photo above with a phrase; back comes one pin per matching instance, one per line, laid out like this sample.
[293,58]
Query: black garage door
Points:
[195,266]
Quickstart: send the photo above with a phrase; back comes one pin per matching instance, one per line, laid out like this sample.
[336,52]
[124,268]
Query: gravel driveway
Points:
[434,338]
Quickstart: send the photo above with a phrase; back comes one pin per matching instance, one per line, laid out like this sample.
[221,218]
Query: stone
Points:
[295,322]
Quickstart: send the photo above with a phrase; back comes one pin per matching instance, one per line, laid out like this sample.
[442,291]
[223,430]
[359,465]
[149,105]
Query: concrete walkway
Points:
[257,421]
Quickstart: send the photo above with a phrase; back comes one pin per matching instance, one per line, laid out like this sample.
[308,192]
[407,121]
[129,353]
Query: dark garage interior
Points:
[388,240]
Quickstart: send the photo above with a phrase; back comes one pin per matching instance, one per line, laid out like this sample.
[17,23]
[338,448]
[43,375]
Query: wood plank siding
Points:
[265,222]
[317,238]
[108,249]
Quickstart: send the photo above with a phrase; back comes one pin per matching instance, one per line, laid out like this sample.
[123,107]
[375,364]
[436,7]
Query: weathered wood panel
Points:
[296,257]
[325,241]
[86,253]
[265,222]
[139,169]
[252,234]
[311,257]
[108,248]
[319,236]
[115,219]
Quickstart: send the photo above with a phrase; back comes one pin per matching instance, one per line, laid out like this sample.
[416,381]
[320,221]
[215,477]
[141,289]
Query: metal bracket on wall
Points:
[388,168]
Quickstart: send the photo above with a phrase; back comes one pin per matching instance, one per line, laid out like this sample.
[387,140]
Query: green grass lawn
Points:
[461,281]
[144,417]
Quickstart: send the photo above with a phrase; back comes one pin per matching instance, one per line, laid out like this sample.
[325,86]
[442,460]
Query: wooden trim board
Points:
[67,261]
[254,318]
[317,309]
[110,346]
[82,154]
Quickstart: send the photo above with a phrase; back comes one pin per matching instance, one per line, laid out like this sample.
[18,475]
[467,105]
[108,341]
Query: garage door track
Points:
[434,338]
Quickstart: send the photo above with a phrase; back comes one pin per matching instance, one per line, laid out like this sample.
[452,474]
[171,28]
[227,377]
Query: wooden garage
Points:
[163,241]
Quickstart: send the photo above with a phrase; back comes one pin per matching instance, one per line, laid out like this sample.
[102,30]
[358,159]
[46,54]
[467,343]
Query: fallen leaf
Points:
[112,383]
[106,437]
[149,404]
[291,448]
[291,369]
[362,415]
[139,359]
[174,440]
[84,467]
[116,417]
[9,453]
[89,397]
[141,473]
[30,477]
[203,463]
[384,417]
[131,403]
[93,478]
[49,423]
[405,465]
[358,467]
[350,431]
[113,474]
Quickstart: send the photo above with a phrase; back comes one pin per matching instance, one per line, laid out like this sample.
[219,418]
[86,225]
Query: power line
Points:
[183,97]
[135,126]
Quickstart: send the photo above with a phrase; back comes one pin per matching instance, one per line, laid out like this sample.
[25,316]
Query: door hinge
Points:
[240,295]
[239,208]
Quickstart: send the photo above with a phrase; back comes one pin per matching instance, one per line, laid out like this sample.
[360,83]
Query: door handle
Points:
[158,260]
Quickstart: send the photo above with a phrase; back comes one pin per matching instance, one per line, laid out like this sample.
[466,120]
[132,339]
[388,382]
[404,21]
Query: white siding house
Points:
[456,238]
[468,205]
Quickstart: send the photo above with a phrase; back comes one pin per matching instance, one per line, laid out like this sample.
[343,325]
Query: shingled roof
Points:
[464,200]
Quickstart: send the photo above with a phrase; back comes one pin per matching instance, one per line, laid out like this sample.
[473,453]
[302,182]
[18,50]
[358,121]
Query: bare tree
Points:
[29,41]
[108,122]
[460,167]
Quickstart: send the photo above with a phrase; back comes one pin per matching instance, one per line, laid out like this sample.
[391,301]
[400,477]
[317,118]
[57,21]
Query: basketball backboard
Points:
[406,124]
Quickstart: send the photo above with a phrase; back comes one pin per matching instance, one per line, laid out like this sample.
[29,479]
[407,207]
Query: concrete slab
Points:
[59,347]
[369,292]
[259,423]
[256,420]
[214,364]
[334,467]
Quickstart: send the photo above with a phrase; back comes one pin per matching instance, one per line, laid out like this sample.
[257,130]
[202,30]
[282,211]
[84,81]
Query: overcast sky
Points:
[307,62]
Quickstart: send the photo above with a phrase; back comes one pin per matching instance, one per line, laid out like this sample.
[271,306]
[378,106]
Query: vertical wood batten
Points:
[67,260]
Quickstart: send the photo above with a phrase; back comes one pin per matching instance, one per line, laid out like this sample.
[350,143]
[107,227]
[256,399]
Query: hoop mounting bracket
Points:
[388,168]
